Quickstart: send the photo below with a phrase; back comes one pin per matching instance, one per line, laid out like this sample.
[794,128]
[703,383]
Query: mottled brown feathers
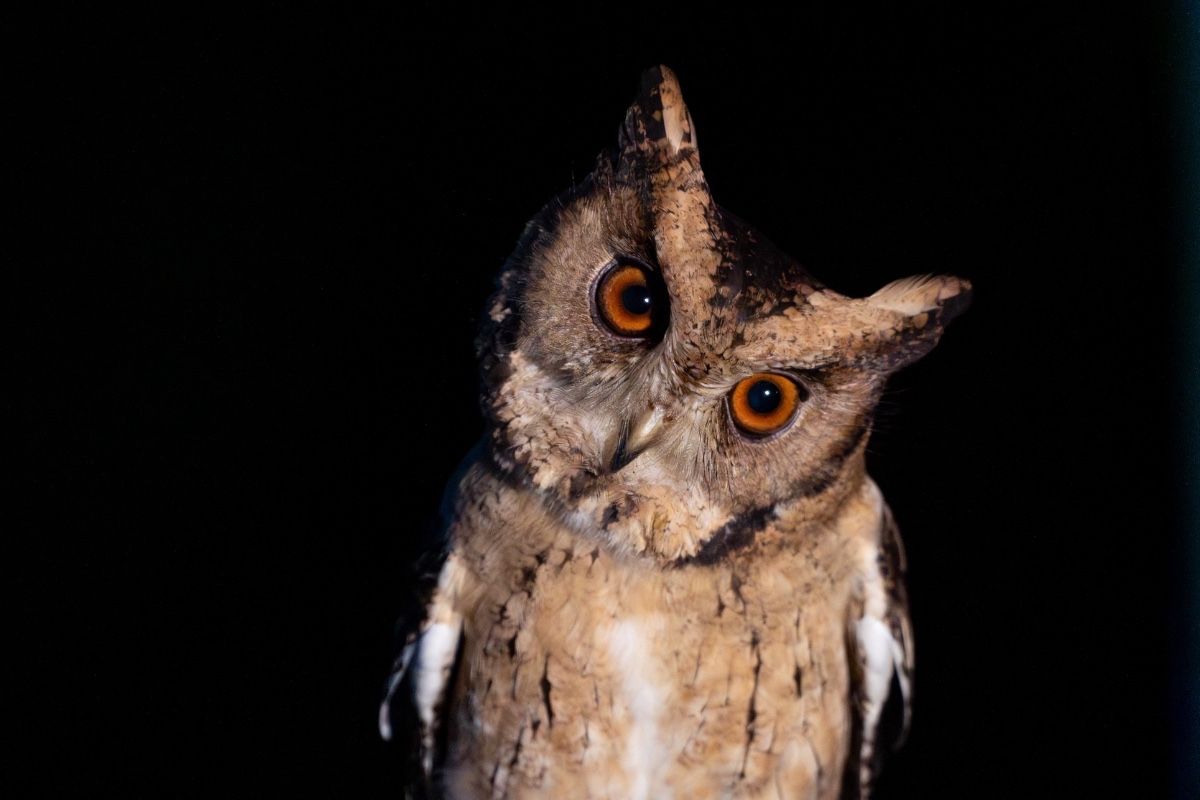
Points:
[644,598]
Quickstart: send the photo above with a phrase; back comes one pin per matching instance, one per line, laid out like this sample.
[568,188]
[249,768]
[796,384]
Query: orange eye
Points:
[627,302]
[764,403]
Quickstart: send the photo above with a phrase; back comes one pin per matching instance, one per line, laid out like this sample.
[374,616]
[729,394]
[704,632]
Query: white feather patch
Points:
[385,708]
[430,657]
[876,650]
[435,659]
[645,700]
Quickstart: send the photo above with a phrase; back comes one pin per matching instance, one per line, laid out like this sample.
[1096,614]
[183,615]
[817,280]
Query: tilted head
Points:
[663,376]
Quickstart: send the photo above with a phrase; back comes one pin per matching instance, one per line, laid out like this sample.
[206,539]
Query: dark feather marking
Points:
[851,789]
[892,566]
[516,756]
[545,683]
[890,729]
[735,585]
[740,532]
[733,535]
[752,711]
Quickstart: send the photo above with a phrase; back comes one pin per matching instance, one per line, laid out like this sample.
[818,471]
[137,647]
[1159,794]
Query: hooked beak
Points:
[637,436]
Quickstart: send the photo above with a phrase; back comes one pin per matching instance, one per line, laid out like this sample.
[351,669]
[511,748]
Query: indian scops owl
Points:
[665,571]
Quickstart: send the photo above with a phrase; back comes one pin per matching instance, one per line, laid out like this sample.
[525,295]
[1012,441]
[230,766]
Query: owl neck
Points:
[789,523]
[594,511]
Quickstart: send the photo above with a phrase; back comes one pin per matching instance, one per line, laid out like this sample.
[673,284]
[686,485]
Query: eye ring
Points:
[630,300]
[765,403]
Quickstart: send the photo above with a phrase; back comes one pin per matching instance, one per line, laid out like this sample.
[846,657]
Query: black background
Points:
[250,369]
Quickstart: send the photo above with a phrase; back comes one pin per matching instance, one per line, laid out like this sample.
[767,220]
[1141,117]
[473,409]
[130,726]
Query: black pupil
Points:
[636,299]
[764,397]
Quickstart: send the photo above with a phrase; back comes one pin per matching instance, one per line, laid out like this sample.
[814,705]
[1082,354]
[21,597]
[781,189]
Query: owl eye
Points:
[630,300]
[765,403]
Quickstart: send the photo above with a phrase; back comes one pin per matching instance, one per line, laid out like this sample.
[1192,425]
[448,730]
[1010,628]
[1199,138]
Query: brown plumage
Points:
[646,593]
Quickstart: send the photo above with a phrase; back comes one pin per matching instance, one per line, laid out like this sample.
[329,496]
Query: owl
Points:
[665,571]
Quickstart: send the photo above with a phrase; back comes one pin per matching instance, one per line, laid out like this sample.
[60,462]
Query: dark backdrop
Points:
[251,371]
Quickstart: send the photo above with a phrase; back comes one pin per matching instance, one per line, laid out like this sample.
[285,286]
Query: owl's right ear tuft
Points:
[658,125]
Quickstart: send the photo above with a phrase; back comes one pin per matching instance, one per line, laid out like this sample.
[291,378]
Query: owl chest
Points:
[584,676]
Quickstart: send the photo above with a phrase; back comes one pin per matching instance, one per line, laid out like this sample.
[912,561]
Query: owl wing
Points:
[882,644]
[411,712]
[429,648]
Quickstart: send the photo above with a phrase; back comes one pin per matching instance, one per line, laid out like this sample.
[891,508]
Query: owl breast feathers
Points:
[665,571]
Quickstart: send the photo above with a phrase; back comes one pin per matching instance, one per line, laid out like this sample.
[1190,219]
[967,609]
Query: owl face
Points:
[663,376]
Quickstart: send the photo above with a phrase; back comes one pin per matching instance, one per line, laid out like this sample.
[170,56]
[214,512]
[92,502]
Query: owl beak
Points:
[640,434]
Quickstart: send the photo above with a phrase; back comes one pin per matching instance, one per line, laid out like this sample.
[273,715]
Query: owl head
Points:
[663,377]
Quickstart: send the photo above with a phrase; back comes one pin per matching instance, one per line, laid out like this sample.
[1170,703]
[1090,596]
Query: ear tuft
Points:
[905,319]
[658,121]
[920,294]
